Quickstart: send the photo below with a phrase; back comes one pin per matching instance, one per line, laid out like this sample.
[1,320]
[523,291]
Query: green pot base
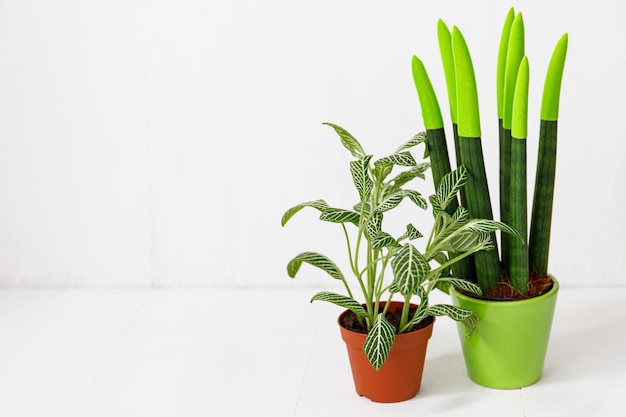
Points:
[508,348]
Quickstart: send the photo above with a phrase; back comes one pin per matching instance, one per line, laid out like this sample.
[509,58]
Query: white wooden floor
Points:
[228,352]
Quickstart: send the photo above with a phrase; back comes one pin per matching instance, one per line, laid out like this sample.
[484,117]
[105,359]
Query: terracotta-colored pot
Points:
[400,377]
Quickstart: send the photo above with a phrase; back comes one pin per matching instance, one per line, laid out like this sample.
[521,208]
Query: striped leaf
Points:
[409,269]
[463,285]
[394,199]
[434,203]
[360,175]
[342,301]
[379,341]
[461,214]
[383,240]
[374,225]
[450,185]
[420,313]
[382,169]
[411,233]
[414,141]
[320,205]
[489,226]
[467,317]
[408,175]
[348,141]
[401,159]
[454,312]
[336,215]
[314,259]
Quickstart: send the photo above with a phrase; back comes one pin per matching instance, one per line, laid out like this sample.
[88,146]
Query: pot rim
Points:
[550,293]
[383,303]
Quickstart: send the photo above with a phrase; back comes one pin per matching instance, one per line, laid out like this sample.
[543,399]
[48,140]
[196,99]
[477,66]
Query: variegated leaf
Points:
[401,159]
[374,225]
[414,141]
[336,215]
[464,285]
[320,205]
[461,214]
[383,240]
[420,313]
[366,208]
[434,203]
[409,269]
[471,323]
[382,169]
[454,312]
[469,241]
[490,226]
[348,141]
[315,259]
[393,200]
[417,198]
[361,177]
[342,301]
[406,176]
[450,185]
[411,233]
[379,341]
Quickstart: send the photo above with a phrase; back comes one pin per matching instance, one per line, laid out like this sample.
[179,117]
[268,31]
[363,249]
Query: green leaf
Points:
[342,301]
[409,269]
[450,185]
[379,341]
[336,215]
[411,233]
[320,205]
[454,312]
[406,176]
[394,199]
[400,159]
[315,259]
[361,178]
[467,317]
[374,225]
[464,285]
[434,203]
[382,169]
[489,226]
[466,241]
[461,214]
[414,141]
[422,308]
[348,141]
[383,240]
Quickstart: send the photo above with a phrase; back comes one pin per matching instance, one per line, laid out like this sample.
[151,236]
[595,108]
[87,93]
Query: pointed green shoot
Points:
[431,113]
[502,53]
[540,225]
[552,86]
[515,53]
[447,60]
[467,95]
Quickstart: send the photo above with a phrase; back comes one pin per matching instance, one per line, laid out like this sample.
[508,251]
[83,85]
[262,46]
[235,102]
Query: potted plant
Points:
[519,296]
[386,339]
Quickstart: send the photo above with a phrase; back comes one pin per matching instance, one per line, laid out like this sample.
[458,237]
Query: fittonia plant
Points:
[519,260]
[372,251]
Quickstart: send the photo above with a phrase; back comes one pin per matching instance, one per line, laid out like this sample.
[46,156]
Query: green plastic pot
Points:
[508,348]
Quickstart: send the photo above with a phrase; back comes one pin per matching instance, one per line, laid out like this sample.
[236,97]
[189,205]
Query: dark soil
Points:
[504,291]
[350,321]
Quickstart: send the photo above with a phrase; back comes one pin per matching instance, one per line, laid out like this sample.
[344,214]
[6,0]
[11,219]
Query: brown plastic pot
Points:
[400,377]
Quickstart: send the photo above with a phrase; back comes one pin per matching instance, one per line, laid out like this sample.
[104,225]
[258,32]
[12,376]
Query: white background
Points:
[157,143]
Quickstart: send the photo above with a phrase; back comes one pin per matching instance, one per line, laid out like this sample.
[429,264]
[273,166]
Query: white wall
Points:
[157,143]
